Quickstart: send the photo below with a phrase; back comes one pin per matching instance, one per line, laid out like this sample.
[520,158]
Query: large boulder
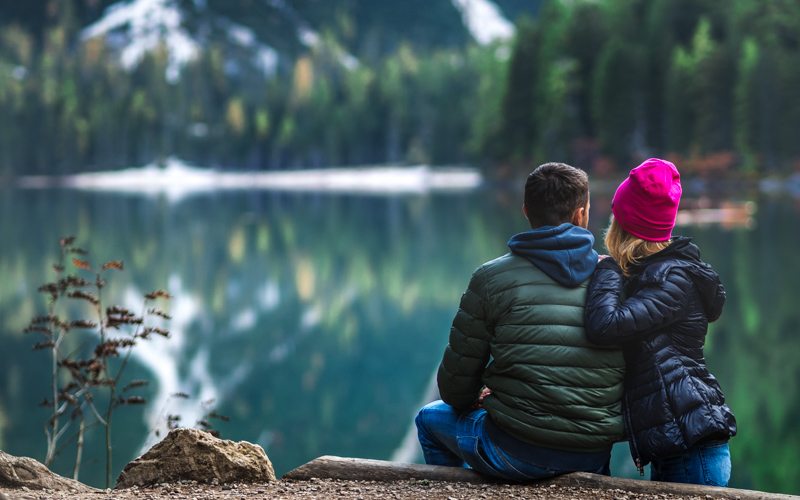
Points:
[192,454]
[19,472]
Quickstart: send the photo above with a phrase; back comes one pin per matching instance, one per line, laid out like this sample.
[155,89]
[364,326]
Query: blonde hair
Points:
[628,249]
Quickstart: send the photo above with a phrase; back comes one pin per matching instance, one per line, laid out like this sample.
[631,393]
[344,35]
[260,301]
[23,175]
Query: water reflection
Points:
[316,321]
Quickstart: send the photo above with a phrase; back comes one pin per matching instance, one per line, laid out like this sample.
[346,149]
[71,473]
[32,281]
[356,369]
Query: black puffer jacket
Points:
[671,400]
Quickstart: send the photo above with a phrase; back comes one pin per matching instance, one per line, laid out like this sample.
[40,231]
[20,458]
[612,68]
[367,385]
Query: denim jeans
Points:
[707,463]
[458,439]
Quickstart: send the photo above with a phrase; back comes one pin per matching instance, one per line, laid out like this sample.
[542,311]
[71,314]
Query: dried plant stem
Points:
[74,437]
[111,382]
[79,452]
[108,439]
[52,437]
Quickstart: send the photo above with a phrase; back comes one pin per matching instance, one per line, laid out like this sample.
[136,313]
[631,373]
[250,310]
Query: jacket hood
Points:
[564,252]
[686,255]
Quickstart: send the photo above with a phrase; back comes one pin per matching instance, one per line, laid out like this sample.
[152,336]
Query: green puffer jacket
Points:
[520,333]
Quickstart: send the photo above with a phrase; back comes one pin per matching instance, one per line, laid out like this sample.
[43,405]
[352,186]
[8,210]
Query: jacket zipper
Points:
[631,440]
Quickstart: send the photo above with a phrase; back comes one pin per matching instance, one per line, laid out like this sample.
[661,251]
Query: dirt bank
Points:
[347,490]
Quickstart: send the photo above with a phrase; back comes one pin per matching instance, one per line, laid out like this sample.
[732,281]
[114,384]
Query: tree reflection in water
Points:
[317,320]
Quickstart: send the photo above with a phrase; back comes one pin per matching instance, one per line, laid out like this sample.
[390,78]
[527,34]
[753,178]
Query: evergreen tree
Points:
[519,129]
[617,99]
[586,36]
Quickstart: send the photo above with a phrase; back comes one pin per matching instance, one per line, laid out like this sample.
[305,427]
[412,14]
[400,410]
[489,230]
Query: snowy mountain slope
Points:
[484,20]
[143,25]
[264,31]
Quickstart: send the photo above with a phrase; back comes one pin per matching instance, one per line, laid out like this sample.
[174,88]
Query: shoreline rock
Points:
[195,455]
[24,472]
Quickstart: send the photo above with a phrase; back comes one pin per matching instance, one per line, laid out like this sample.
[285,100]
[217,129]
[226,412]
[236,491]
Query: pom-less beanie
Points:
[646,203]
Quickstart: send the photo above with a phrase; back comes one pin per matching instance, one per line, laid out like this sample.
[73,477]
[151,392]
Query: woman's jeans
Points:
[707,463]
[458,439]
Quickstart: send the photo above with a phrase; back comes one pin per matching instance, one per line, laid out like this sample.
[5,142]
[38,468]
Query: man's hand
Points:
[479,402]
[601,257]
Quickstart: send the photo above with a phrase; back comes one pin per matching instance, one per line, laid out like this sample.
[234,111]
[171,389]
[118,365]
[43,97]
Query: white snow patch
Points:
[176,180]
[149,23]
[484,20]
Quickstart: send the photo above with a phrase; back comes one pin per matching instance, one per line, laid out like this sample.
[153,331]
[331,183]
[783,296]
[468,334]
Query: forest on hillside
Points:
[601,85]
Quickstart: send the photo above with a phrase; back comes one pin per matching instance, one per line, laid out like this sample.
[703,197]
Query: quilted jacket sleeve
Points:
[460,375]
[610,321]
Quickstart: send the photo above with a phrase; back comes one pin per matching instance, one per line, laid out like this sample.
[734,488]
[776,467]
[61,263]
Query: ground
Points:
[344,490]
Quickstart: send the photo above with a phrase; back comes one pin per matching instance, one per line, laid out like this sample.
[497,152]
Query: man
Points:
[525,395]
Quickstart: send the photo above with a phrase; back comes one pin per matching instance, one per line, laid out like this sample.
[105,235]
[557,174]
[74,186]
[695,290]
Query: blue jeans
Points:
[707,463]
[458,439]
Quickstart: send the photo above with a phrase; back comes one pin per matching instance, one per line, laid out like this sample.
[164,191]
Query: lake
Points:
[315,320]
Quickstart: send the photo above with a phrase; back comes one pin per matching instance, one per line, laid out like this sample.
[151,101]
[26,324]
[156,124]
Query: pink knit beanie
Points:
[646,203]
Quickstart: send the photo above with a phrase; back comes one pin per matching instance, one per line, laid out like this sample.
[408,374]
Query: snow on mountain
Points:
[142,26]
[484,20]
[136,27]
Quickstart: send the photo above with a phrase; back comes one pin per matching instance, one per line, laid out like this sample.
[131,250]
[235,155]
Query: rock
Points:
[195,455]
[23,472]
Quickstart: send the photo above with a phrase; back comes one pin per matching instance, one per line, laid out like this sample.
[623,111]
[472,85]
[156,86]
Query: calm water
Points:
[316,321]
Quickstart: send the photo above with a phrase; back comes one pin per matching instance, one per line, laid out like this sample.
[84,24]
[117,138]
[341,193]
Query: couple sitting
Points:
[557,353]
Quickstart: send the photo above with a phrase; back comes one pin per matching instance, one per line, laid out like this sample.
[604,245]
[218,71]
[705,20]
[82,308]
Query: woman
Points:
[655,297]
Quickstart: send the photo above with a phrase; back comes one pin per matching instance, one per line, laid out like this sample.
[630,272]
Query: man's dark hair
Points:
[553,192]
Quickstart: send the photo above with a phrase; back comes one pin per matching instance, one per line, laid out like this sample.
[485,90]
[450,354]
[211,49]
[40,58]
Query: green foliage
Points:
[485,107]
[520,128]
[616,94]
[597,84]
[585,39]
[746,104]
[691,80]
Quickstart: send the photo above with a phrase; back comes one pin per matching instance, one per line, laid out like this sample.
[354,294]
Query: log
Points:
[597,481]
[357,469]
